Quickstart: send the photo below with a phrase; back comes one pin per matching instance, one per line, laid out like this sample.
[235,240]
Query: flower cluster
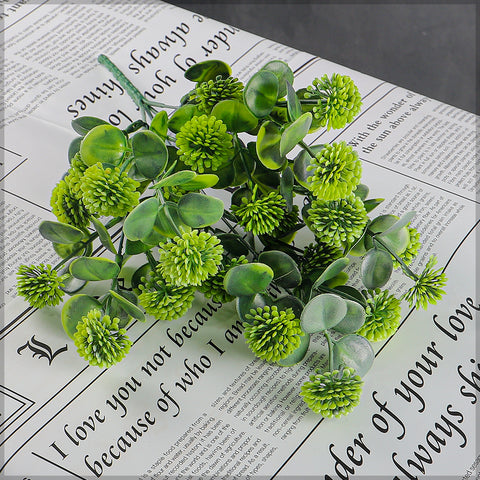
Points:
[209,93]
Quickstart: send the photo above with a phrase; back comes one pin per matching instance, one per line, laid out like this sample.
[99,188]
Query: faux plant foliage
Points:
[152,178]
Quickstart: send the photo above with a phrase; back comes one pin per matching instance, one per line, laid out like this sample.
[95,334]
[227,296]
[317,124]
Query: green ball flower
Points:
[203,143]
[333,394]
[108,191]
[336,172]
[262,215]
[338,100]
[191,258]
[428,288]
[162,300]
[336,222]
[213,286]
[99,340]
[412,249]
[68,207]
[272,335]
[383,314]
[75,174]
[208,94]
[318,256]
[40,285]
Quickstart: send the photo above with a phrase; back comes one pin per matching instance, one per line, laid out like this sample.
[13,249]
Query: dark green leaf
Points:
[82,125]
[376,269]
[294,107]
[208,70]
[301,162]
[290,301]
[159,124]
[295,133]
[74,309]
[331,271]
[74,148]
[150,153]
[168,221]
[204,180]
[285,271]
[260,93]
[283,73]
[178,178]
[140,221]
[353,320]
[60,232]
[232,244]
[103,235]
[198,210]
[297,355]
[246,303]
[235,115]
[138,275]
[268,146]
[127,306]
[286,187]
[248,279]
[94,269]
[181,116]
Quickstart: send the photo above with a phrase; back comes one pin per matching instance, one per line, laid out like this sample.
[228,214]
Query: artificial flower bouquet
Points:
[152,179]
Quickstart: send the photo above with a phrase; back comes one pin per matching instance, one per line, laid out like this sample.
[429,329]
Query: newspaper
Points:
[190,401]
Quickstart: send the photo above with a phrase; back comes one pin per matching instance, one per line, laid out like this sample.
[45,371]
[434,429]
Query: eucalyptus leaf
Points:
[150,153]
[372,203]
[246,303]
[290,301]
[323,312]
[140,221]
[134,247]
[295,133]
[94,269]
[396,239]
[283,73]
[103,144]
[353,351]
[361,191]
[168,220]
[232,243]
[82,125]
[74,309]
[376,268]
[248,279]
[74,148]
[159,124]
[260,93]
[60,232]
[294,107]
[199,210]
[285,271]
[402,222]
[177,178]
[103,235]
[287,181]
[204,180]
[268,146]
[298,354]
[208,70]
[331,271]
[353,320]
[235,115]
[127,306]
[300,164]
[181,116]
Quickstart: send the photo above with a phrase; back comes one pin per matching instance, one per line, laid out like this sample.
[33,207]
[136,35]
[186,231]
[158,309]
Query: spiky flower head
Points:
[336,171]
[99,339]
[162,300]
[40,285]
[336,222]
[412,249]
[208,94]
[191,258]
[318,256]
[213,286]
[68,207]
[338,100]
[75,174]
[204,143]
[108,191]
[333,394]
[272,334]
[382,317]
[260,215]
[428,288]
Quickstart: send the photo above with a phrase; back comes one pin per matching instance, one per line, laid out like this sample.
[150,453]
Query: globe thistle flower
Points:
[335,222]
[203,143]
[287,223]
[75,174]
[272,335]
[40,285]
[412,249]
[108,191]
[336,171]
[382,317]
[191,258]
[338,100]
[213,286]
[68,207]
[261,215]
[333,394]
[208,94]
[318,256]
[428,286]
[99,340]
[162,300]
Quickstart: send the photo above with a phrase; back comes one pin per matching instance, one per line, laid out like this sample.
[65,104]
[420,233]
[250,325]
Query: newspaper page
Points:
[190,400]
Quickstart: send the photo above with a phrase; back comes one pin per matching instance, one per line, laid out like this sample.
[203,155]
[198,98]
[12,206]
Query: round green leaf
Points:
[401,223]
[248,279]
[235,115]
[294,107]
[285,271]
[150,153]
[89,268]
[60,232]
[74,148]
[376,269]
[295,133]
[322,312]
[127,306]
[65,250]
[177,178]
[134,247]
[103,235]
[246,303]
[82,125]
[290,301]
[396,239]
[353,320]
[208,70]
[261,93]
[353,351]
[301,162]
[298,354]
[198,210]
[361,191]
[268,146]
[74,309]
[181,116]
[159,124]
[104,144]
[168,221]
[140,221]
[283,73]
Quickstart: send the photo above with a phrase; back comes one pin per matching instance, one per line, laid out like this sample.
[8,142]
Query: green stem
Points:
[237,144]
[330,350]
[405,268]
[246,244]
[307,148]
[151,259]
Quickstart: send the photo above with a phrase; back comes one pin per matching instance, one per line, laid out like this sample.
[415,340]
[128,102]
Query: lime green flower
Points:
[261,215]
[338,100]
[162,300]
[318,256]
[335,222]
[68,207]
[412,249]
[203,143]
[208,94]
[108,191]
[333,394]
[383,314]
[428,286]
[40,285]
[336,172]
[287,223]
[273,334]
[99,340]
[191,258]
[75,174]
[213,286]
